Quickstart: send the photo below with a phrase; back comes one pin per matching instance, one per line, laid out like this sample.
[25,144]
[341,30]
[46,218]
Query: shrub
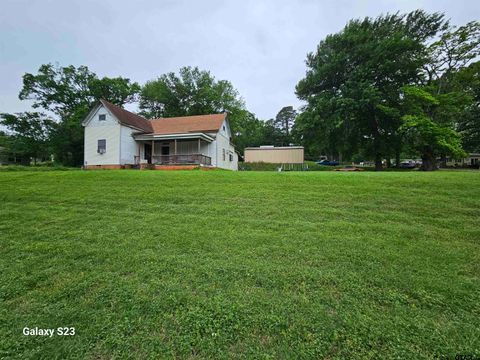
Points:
[35,168]
[258,166]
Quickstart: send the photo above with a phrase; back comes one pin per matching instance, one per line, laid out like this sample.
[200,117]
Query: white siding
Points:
[109,130]
[223,146]
[128,145]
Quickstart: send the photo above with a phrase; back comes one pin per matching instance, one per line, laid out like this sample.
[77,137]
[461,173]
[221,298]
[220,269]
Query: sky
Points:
[259,46]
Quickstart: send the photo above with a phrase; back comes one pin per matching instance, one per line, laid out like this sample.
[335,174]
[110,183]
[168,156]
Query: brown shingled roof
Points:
[127,118]
[163,126]
[188,124]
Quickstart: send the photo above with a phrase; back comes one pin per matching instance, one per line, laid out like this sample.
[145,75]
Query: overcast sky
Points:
[260,46]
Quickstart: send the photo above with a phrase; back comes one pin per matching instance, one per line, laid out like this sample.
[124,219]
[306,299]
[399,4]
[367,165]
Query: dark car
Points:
[328,162]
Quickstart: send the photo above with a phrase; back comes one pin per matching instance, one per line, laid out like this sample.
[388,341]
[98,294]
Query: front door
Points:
[148,153]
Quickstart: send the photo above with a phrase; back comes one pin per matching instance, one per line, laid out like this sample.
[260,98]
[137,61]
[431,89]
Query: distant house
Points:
[116,138]
[472,160]
[275,155]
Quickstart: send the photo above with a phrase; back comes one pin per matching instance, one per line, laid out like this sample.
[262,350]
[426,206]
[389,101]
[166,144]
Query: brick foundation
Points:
[147,167]
[175,167]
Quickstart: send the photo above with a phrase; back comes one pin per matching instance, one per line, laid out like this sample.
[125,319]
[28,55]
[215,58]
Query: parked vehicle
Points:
[407,164]
[328,162]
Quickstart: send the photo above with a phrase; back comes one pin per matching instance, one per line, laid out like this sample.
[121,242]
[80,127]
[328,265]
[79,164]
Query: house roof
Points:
[164,126]
[127,118]
[188,124]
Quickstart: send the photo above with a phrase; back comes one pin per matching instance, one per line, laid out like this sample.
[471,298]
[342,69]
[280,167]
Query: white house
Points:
[116,138]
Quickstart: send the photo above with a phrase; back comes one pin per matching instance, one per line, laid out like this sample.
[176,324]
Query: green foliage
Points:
[468,124]
[30,134]
[70,92]
[426,135]
[192,92]
[280,128]
[196,92]
[45,166]
[357,80]
[353,82]
[308,265]
[313,166]
[455,49]
[258,166]
[248,131]
[263,166]
[63,90]
[427,123]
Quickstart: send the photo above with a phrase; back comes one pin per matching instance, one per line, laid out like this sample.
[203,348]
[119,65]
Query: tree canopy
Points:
[191,92]
[69,93]
[29,134]
[354,84]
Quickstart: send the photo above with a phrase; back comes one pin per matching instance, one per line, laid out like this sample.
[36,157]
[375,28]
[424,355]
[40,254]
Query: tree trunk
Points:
[429,162]
[443,161]
[397,158]
[376,145]
[389,162]
[378,162]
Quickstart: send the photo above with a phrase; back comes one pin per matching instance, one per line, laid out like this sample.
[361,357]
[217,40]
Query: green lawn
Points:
[216,264]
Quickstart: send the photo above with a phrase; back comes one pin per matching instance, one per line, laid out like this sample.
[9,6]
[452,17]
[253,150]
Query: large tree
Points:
[283,124]
[196,92]
[191,92]
[69,93]
[352,85]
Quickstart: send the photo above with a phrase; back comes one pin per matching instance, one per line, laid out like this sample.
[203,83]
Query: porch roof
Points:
[182,136]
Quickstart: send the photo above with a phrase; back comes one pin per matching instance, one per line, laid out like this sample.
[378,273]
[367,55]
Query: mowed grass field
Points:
[197,264]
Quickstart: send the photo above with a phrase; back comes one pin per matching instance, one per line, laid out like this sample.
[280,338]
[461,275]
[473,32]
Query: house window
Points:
[102,117]
[223,127]
[230,157]
[223,153]
[102,146]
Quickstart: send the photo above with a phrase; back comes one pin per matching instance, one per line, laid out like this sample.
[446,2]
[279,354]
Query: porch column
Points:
[199,145]
[139,151]
[153,150]
[175,150]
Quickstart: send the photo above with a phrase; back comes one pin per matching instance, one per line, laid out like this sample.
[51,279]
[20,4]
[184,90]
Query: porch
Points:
[193,149]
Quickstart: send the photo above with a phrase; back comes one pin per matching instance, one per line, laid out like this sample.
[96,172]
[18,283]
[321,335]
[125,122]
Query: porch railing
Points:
[182,159]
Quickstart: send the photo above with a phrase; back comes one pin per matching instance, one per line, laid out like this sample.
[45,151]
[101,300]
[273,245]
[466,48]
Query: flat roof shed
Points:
[275,155]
